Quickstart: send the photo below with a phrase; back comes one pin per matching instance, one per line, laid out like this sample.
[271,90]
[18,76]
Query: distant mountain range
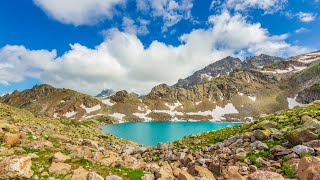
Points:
[105,93]
[226,90]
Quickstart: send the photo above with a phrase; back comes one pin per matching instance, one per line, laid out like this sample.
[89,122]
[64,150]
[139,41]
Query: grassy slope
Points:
[286,120]
[72,129]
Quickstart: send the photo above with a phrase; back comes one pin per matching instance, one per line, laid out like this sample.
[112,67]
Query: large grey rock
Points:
[301,149]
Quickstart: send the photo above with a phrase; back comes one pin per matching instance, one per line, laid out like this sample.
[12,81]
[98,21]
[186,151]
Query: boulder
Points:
[233,174]
[79,174]
[41,144]
[148,177]
[315,144]
[259,145]
[59,157]
[306,118]
[262,134]
[309,168]
[264,125]
[301,135]
[276,149]
[16,167]
[165,171]
[265,175]
[301,150]
[11,139]
[94,176]
[201,171]
[98,156]
[59,168]
[113,177]
[184,175]
[163,146]
[90,143]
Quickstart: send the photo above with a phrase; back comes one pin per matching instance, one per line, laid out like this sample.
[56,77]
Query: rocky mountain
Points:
[45,100]
[224,67]
[105,93]
[235,92]
[216,69]
[260,61]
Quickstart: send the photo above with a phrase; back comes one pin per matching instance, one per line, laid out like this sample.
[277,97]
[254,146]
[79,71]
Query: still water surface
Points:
[151,133]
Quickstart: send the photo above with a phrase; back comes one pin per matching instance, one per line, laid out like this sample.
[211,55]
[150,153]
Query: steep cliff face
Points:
[218,89]
[216,69]
[45,100]
[260,61]
[310,94]
[224,67]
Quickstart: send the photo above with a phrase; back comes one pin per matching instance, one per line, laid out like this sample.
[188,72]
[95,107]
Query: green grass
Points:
[126,173]
[211,137]
[288,171]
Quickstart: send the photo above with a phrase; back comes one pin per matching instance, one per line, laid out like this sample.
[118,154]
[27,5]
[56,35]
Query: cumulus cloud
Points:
[17,62]
[171,11]
[78,12]
[269,6]
[122,61]
[306,17]
[132,27]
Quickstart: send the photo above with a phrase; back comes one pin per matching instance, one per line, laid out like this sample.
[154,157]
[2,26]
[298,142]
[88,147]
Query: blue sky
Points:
[90,45]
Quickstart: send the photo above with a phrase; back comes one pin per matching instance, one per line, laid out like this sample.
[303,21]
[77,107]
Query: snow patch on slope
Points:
[218,113]
[108,102]
[253,98]
[118,116]
[70,114]
[92,109]
[292,102]
[175,105]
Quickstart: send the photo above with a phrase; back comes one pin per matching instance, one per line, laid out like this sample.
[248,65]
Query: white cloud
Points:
[17,62]
[306,17]
[269,6]
[122,61]
[139,28]
[171,11]
[301,30]
[78,12]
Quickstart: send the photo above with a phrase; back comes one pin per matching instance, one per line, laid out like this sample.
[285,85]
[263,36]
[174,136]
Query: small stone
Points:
[113,177]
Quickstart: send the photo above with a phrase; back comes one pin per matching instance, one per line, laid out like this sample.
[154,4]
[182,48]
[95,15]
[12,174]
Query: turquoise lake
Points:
[151,133]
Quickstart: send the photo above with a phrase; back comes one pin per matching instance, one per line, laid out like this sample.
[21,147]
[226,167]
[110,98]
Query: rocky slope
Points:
[45,100]
[282,145]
